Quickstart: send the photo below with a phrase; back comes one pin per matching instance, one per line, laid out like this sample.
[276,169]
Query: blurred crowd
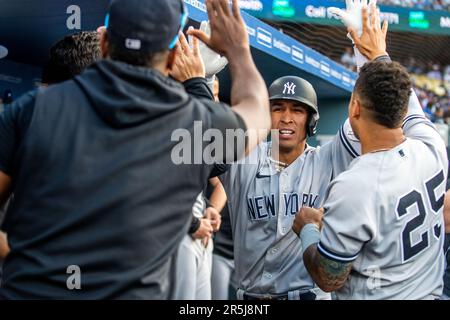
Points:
[432,85]
[420,4]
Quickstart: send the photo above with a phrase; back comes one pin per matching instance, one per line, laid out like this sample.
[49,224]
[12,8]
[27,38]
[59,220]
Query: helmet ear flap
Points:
[313,121]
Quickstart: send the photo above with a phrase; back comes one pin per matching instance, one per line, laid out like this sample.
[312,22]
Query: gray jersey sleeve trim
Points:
[334,256]
[385,58]
[413,117]
[347,144]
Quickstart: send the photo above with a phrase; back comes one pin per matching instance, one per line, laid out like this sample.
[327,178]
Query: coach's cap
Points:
[146,26]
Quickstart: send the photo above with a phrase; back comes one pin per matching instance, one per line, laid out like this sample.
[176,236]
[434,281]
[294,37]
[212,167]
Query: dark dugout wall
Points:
[28,28]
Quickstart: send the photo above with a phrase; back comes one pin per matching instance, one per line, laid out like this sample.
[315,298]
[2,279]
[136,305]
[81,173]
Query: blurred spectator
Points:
[431,83]
[439,116]
[447,74]
[419,4]
[435,73]
[432,86]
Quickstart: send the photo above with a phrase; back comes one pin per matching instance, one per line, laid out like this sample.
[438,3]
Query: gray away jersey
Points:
[385,214]
[263,203]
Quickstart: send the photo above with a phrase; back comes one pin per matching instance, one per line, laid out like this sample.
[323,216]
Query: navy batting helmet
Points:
[300,90]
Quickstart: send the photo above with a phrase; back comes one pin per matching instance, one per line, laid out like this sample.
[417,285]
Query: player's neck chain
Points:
[279,166]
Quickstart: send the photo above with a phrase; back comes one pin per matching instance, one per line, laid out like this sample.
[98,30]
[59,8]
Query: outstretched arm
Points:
[447,212]
[329,254]
[4,248]
[369,39]
[330,275]
[5,188]
[249,96]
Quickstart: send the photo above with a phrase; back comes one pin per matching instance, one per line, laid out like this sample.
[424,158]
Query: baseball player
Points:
[383,220]
[263,198]
[194,259]
[289,174]
[194,256]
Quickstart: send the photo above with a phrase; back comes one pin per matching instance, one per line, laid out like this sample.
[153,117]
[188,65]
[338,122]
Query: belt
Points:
[307,296]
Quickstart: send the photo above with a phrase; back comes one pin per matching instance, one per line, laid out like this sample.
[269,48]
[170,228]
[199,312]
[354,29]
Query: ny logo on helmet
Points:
[289,88]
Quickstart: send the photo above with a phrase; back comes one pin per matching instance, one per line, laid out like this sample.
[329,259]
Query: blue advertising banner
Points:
[315,11]
[28,28]
[283,47]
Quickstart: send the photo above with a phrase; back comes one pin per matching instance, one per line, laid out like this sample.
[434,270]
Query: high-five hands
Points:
[214,62]
[364,27]
[188,63]
[372,42]
[352,16]
[228,32]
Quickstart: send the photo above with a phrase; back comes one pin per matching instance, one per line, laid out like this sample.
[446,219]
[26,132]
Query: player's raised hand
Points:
[188,63]
[214,62]
[306,216]
[372,42]
[351,17]
[228,32]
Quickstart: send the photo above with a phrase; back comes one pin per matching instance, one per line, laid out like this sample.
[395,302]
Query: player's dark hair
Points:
[384,89]
[70,56]
[135,58]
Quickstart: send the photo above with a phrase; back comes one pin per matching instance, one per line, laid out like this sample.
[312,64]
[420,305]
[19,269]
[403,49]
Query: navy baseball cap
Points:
[146,26]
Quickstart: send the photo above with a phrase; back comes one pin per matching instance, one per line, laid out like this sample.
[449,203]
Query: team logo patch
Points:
[289,88]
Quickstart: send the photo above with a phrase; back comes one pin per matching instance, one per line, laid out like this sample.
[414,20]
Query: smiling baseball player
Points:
[267,189]
[288,175]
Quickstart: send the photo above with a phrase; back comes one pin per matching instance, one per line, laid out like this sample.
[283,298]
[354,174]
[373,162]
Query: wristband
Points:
[310,235]
[384,58]
[361,60]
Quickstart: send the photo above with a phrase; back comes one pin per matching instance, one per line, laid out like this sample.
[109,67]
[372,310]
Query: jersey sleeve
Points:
[237,178]
[14,122]
[232,185]
[349,220]
[342,150]
[223,118]
[198,87]
[417,126]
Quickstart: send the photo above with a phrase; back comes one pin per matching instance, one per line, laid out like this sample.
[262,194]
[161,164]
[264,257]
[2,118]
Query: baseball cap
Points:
[146,26]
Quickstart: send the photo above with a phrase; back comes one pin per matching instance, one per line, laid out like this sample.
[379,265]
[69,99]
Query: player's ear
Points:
[355,107]
[104,44]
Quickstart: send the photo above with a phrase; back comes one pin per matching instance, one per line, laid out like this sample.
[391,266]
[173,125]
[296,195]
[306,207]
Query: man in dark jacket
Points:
[100,206]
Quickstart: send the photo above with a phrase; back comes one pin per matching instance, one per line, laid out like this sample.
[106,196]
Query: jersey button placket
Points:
[282,209]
